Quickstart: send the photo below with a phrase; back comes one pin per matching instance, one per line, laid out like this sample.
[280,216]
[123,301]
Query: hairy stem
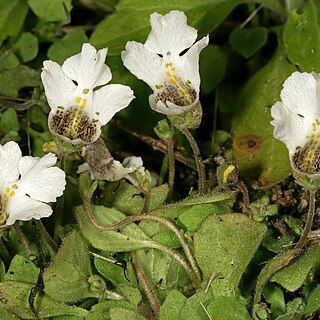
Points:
[59,206]
[4,252]
[23,239]
[193,272]
[198,160]
[154,302]
[246,200]
[307,228]
[171,161]
[46,235]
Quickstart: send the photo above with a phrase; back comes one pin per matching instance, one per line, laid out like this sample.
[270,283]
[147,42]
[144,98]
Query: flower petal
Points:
[169,108]
[40,180]
[170,33]
[145,65]
[189,63]
[88,67]
[22,207]
[289,127]
[10,155]
[109,100]
[58,87]
[299,94]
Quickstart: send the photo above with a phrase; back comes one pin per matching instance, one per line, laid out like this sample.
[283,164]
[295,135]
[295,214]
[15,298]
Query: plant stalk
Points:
[193,272]
[23,239]
[307,228]
[46,235]
[154,302]
[198,160]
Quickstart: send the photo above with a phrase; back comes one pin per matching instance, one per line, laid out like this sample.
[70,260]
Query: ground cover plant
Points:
[159,159]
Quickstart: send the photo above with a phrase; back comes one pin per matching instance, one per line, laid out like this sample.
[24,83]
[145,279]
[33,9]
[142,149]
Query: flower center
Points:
[74,122]
[174,89]
[307,158]
[4,198]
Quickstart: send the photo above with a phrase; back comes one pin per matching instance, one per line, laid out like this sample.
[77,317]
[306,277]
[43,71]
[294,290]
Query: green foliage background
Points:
[254,46]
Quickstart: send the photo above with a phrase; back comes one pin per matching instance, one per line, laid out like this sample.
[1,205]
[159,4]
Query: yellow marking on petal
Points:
[168,73]
[12,193]
[169,64]
[318,134]
[318,122]
[312,136]
[84,103]
[159,86]
[85,91]
[173,69]
[172,81]
[182,91]
[78,99]
[7,189]
[175,77]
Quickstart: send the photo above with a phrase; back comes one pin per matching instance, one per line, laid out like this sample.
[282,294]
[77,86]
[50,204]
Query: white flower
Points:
[27,184]
[102,166]
[79,105]
[297,122]
[160,62]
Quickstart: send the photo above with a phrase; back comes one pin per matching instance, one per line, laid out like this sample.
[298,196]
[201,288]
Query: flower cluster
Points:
[82,102]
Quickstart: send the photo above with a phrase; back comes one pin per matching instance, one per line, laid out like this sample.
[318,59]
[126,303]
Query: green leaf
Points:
[8,60]
[193,307]
[131,20]
[293,276]
[217,249]
[15,79]
[101,310]
[122,313]
[304,27]
[66,279]
[26,48]
[12,16]
[68,318]
[173,210]
[172,306]
[272,266]
[192,217]
[14,300]
[129,238]
[51,10]
[68,46]
[274,296]
[9,121]
[22,270]
[111,271]
[313,301]
[160,268]
[261,157]
[213,64]
[129,200]
[248,41]
[231,308]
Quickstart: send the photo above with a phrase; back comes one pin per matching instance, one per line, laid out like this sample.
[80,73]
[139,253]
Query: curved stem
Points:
[146,201]
[46,235]
[150,217]
[198,159]
[22,239]
[154,302]
[246,199]
[171,162]
[193,272]
[307,228]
